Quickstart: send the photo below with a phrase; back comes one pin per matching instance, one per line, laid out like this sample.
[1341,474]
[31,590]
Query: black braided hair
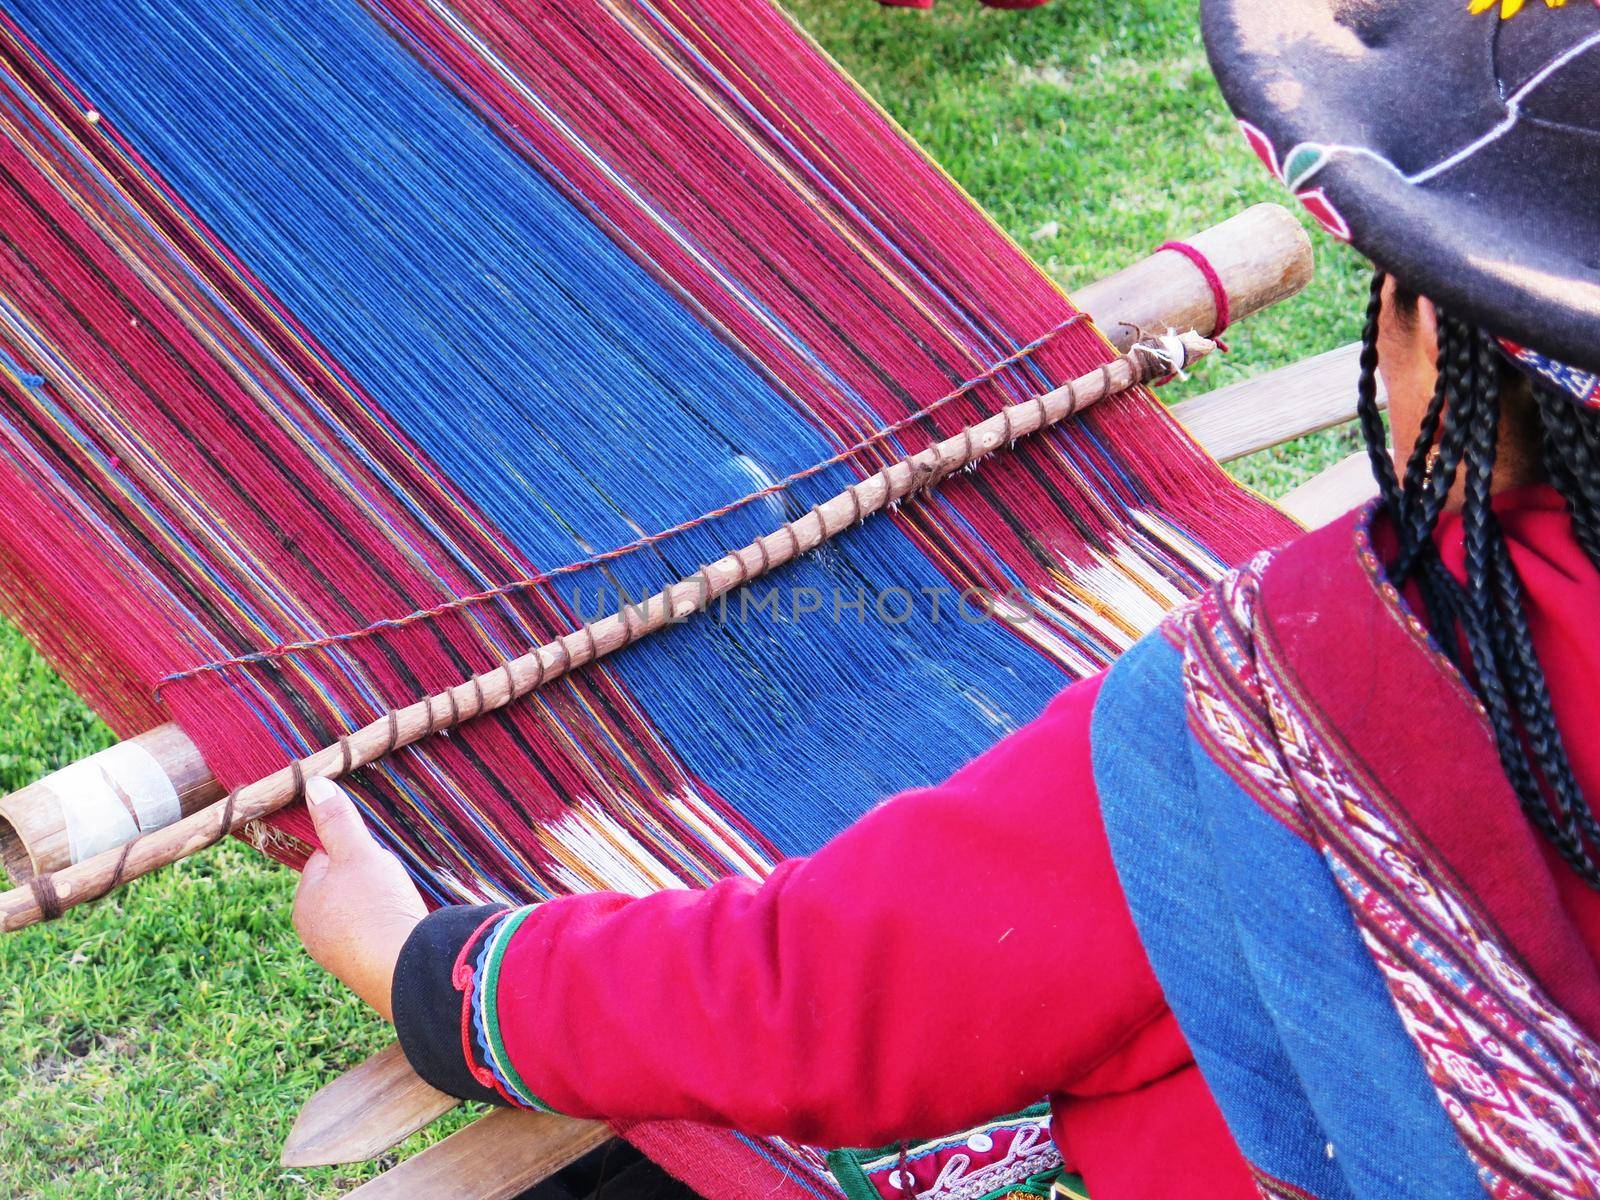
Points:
[1487,617]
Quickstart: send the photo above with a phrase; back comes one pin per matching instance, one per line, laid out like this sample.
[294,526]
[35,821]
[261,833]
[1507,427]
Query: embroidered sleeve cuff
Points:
[478,974]
[447,1008]
[432,996]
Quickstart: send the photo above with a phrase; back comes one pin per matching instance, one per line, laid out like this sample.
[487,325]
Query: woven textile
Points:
[1279,826]
[346,350]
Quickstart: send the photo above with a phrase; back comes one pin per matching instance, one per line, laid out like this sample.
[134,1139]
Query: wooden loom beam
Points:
[1267,410]
[1261,256]
[128,788]
[369,1109]
[1332,493]
[494,1158]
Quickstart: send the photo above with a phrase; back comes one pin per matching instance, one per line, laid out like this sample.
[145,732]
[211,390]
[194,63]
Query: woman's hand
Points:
[356,905]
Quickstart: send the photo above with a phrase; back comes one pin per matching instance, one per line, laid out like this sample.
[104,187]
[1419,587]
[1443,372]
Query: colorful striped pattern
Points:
[318,316]
[483,1011]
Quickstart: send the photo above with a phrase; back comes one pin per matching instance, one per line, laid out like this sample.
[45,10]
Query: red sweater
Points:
[960,952]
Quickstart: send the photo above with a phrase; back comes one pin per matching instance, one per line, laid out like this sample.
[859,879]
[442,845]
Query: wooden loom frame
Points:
[1262,256]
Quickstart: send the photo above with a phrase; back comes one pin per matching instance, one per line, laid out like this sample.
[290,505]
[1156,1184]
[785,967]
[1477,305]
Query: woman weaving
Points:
[1303,896]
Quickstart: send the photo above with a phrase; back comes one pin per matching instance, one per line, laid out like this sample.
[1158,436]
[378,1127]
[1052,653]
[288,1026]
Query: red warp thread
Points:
[1219,293]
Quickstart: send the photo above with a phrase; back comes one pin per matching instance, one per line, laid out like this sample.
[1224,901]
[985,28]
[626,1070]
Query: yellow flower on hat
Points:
[1509,8]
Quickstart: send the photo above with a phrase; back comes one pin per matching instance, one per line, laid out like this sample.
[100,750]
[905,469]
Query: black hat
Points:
[1456,143]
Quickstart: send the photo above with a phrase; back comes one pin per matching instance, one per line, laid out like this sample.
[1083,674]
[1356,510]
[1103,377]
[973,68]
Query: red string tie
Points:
[1219,293]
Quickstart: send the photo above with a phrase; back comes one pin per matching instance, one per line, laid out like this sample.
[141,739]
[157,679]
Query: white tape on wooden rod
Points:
[109,797]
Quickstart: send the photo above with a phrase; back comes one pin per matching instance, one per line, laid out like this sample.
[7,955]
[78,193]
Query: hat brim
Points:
[1399,134]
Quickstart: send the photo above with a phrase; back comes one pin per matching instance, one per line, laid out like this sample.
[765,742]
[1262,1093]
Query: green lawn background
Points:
[159,1044]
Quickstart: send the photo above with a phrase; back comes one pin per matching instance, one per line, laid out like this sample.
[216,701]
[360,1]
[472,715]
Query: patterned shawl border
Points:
[1387,619]
[1269,650]
[1404,892]
[1528,1119]
[1227,714]
[1405,616]
[1330,764]
[1483,951]
[1525,1119]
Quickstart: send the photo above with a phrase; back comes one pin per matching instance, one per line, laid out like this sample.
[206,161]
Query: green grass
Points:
[1094,132]
[160,1043]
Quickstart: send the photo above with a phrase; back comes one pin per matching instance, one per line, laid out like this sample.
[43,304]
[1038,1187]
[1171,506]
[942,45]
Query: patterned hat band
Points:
[1583,386]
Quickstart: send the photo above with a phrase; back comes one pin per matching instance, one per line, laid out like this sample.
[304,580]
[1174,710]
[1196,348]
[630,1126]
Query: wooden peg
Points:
[369,1109]
[495,1158]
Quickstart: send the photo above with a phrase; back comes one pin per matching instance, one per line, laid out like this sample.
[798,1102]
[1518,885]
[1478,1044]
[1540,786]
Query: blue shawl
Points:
[1367,1030]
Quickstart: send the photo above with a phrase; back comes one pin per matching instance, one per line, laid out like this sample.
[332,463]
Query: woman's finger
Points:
[338,822]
